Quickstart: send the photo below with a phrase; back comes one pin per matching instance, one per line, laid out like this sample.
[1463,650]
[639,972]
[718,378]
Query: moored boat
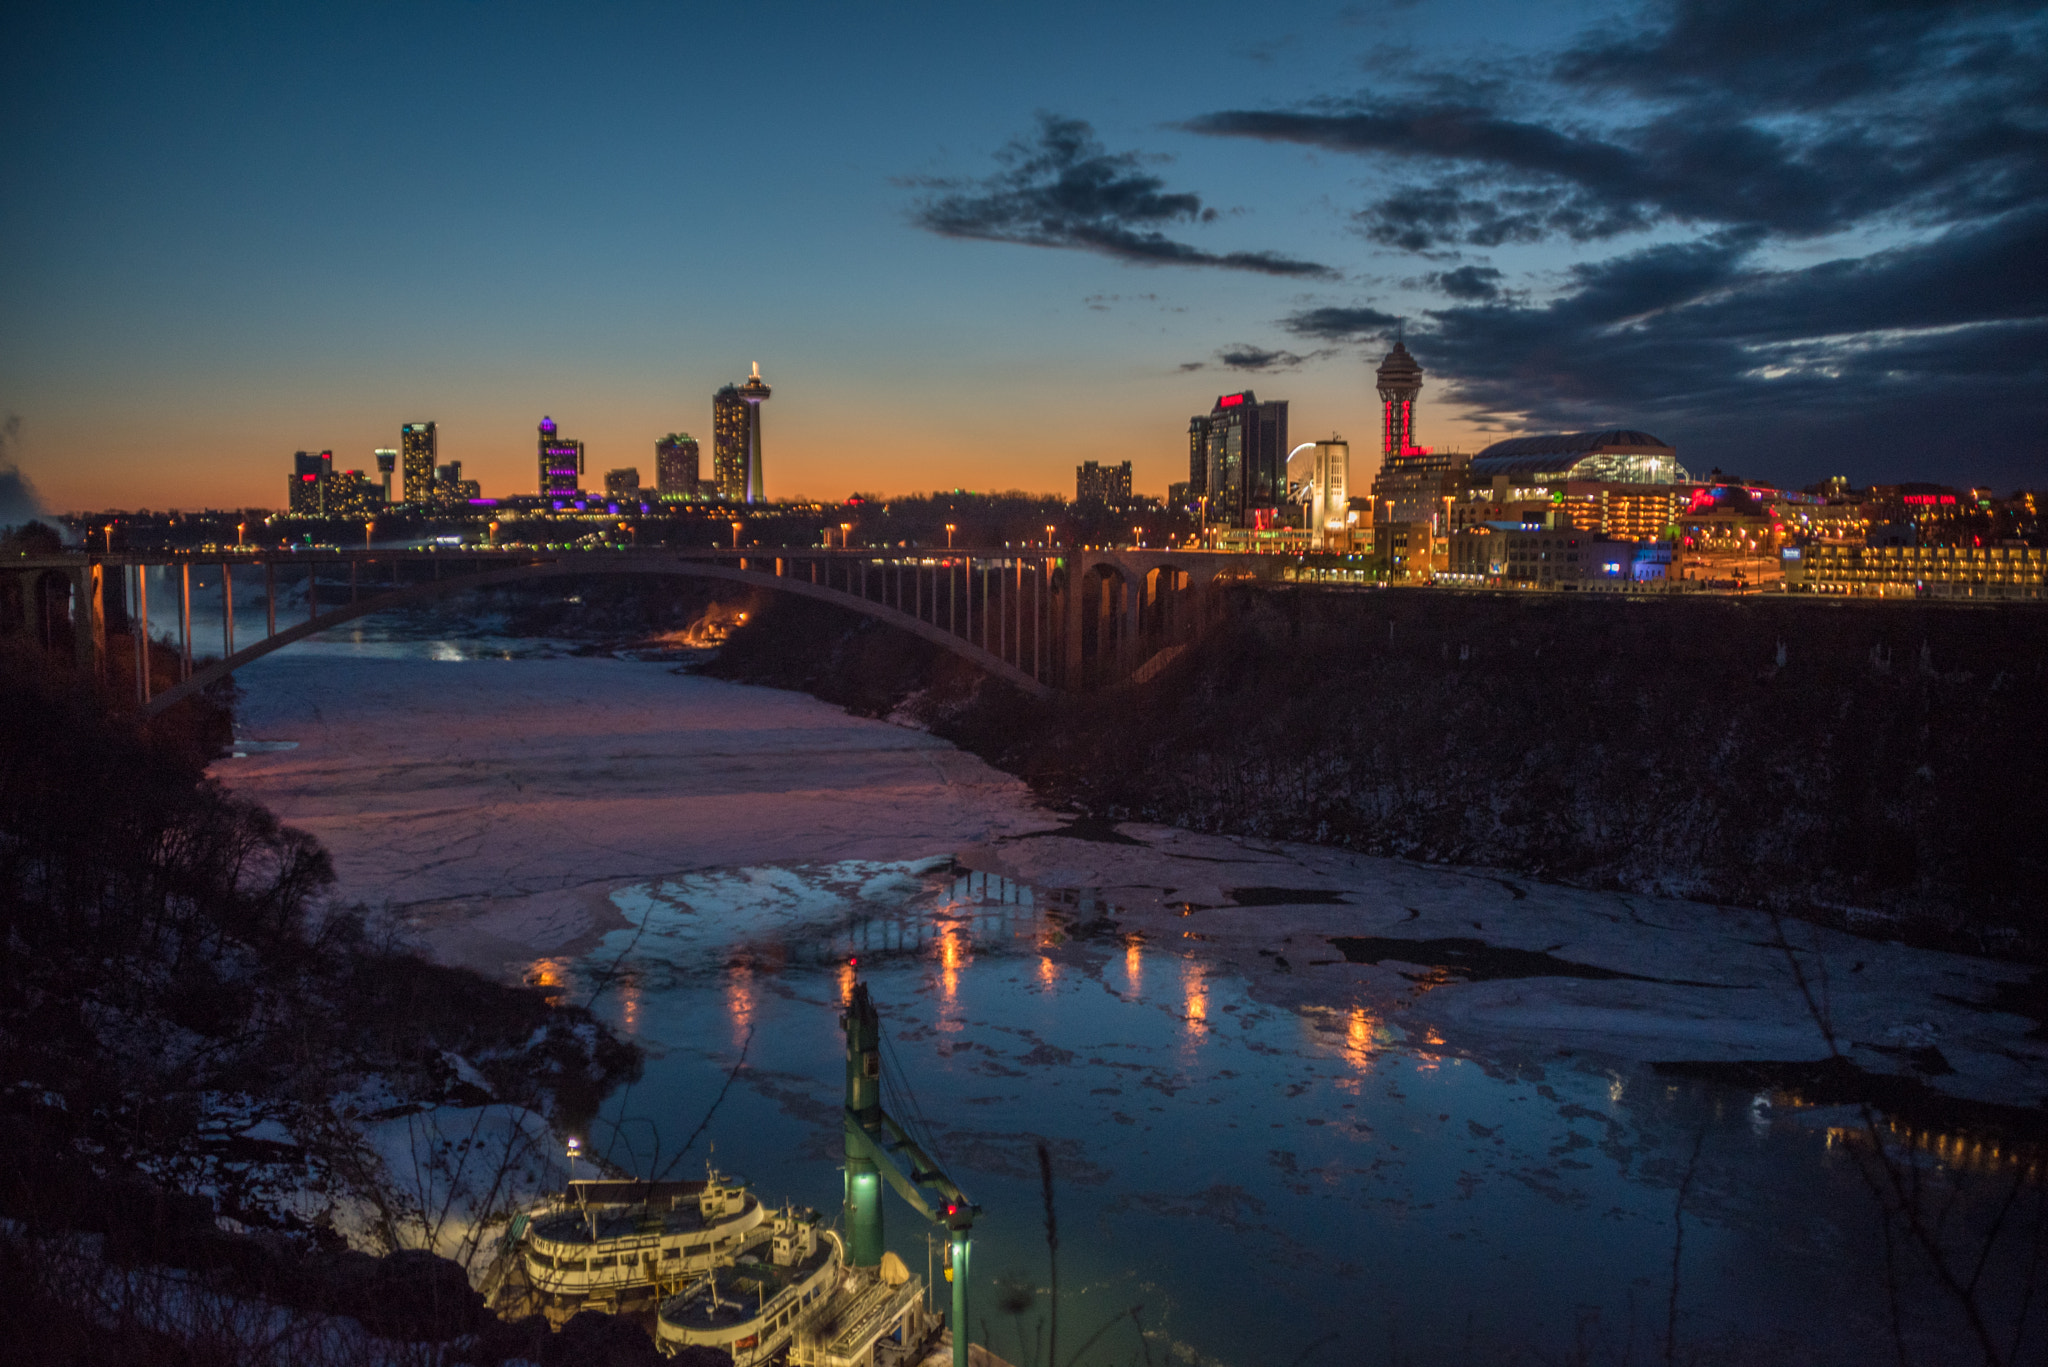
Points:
[622,1245]
[800,1303]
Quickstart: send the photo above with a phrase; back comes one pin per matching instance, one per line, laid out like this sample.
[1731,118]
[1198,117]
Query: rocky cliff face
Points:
[1876,765]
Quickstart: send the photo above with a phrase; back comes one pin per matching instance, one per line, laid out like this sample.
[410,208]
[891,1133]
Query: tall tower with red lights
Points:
[1400,382]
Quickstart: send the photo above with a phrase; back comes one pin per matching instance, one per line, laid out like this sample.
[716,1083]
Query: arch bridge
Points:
[1044,621]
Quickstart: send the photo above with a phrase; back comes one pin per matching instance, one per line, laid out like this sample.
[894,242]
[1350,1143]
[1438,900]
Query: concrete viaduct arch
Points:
[1131,611]
[421,593]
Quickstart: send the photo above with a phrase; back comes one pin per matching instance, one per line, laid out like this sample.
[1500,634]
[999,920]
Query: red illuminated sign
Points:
[1928,498]
[1230,401]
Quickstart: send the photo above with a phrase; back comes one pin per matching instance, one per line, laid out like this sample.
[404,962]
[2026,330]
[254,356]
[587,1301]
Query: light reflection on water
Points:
[1257,1177]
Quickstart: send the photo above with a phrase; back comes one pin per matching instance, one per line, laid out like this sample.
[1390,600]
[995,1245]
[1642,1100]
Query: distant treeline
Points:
[979,520]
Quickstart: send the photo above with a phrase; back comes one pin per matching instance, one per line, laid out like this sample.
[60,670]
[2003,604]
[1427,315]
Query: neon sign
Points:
[1230,401]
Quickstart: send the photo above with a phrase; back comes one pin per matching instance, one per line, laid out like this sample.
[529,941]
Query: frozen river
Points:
[1301,1107]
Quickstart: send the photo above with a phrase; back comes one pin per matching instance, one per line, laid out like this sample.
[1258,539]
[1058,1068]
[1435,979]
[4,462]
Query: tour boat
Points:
[606,1244]
[801,1304]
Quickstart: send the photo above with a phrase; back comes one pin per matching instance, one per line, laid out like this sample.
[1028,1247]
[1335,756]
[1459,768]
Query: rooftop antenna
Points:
[757,370]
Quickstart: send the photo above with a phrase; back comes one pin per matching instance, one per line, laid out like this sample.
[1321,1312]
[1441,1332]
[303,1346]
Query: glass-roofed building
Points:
[1618,483]
[1620,456]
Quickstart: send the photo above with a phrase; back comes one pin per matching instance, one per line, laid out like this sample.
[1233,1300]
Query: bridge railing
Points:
[1045,619]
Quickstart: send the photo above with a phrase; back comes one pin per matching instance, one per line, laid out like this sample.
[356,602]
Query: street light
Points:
[735,536]
[845,531]
[110,538]
[240,529]
[949,536]
[494,531]
[1137,536]
[368,527]
[1048,536]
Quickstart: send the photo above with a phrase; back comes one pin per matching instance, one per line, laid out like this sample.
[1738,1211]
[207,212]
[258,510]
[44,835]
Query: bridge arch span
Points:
[987,661]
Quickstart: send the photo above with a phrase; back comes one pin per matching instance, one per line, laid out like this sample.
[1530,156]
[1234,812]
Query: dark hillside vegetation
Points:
[1879,766]
[173,981]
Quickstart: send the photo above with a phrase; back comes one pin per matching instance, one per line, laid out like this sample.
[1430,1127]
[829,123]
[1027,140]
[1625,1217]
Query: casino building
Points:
[1237,461]
[1620,484]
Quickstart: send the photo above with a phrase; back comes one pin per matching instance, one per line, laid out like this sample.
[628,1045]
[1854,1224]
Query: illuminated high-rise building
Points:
[675,465]
[451,487]
[736,439]
[311,475]
[1109,485]
[419,449]
[561,463]
[1237,460]
[1324,487]
[352,496]
[729,444]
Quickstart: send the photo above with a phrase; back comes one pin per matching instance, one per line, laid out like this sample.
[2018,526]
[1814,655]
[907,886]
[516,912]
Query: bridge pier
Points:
[141,625]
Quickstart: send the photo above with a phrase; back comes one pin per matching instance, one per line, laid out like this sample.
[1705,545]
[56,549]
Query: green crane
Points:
[874,1143]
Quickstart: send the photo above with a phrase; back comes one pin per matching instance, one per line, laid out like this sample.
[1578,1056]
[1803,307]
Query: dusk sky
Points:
[972,245]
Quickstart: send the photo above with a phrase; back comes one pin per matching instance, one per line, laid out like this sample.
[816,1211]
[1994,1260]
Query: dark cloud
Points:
[1357,323]
[1923,361]
[1468,282]
[1062,188]
[1813,54]
[1257,358]
[1794,119]
[1732,130]
[1431,218]
[1101,302]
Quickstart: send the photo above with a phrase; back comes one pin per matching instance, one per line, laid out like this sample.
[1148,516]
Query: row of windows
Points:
[1928,553]
[613,1260]
[1933,575]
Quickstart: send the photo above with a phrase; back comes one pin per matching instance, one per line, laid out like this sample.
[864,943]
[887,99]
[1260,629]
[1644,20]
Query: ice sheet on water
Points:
[825,913]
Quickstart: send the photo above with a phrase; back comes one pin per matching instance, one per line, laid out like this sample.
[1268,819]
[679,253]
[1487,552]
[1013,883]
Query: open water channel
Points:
[1254,1161]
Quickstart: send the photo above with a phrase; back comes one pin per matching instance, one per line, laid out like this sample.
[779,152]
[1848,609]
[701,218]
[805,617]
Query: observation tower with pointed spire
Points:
[754,393]
[1400,382]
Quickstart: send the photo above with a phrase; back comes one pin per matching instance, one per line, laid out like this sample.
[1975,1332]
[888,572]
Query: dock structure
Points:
[875,1142]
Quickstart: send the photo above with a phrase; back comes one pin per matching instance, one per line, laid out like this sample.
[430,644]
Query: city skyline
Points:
[231,240]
